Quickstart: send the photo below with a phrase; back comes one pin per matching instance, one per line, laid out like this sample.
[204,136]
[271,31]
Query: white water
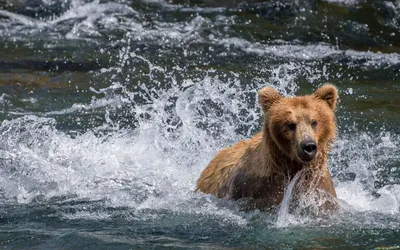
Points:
[92,20]
[283,213]
[153,167]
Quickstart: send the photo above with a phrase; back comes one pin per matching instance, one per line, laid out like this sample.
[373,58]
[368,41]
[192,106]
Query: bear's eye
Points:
[292,126]
[314,124]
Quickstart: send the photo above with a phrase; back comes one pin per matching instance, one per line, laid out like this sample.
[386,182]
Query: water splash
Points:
[95,20]
[310,52]
[179,122]
[284,218]
[81,20]
[365,170]
[154,165]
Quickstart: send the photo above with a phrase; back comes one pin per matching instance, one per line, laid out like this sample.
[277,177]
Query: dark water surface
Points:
[110,110]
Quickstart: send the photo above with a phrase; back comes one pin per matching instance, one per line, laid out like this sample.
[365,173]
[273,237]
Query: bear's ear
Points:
[328,93]
[266,97]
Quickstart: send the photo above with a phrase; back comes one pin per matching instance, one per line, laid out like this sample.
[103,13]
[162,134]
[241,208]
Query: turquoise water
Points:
[110,110]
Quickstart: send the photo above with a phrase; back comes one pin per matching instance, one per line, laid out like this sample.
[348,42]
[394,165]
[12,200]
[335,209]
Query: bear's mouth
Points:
[305,158]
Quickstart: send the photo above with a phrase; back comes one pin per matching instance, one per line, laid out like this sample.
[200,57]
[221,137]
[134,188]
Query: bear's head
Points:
[300,126]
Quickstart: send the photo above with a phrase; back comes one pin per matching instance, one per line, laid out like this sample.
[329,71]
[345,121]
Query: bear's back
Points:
[214,178]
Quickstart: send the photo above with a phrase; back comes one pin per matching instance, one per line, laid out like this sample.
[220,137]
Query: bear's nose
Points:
[309,147]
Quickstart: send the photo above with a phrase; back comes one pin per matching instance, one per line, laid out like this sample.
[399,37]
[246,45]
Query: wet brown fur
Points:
[260,167]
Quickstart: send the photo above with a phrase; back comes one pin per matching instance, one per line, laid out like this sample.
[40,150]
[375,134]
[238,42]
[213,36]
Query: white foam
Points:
[362,200]
[86,17]
[3,98]
[309,52]
[21,18]
[284,218]
[177,7]
[155,166]
[364,157]
[148,168]
[347,2]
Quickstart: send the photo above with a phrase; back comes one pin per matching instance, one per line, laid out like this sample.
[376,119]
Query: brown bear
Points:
[295,139]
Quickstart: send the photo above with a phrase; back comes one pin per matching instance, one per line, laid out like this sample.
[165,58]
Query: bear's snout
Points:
[308,150]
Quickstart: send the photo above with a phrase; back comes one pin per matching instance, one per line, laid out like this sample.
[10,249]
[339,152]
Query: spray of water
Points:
[180,123]
[155,165]
[283,213]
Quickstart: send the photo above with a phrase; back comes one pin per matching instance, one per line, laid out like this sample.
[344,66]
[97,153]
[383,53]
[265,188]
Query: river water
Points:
[110,110]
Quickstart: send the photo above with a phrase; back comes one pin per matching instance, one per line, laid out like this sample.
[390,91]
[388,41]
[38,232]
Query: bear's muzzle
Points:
[307,151]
